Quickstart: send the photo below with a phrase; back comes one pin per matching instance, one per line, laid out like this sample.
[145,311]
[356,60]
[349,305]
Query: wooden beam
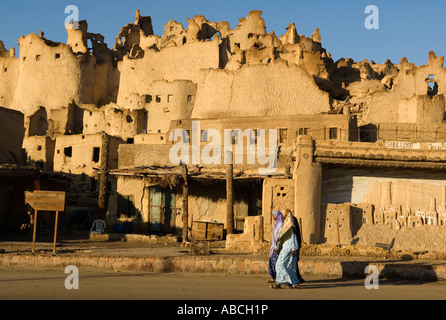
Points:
[34,231]
[103,177]
[229,199]
[55,231]
[185,207]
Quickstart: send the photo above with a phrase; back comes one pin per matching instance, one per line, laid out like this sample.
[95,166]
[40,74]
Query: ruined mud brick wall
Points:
[412,87]
[243,92]
[72,77]
[224,64]
[170,64]
[168,100]
[80,154]
[40,151]
[9,73]
[115,121]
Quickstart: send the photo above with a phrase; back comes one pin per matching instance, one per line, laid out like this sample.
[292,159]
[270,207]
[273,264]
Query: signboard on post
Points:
[45,201]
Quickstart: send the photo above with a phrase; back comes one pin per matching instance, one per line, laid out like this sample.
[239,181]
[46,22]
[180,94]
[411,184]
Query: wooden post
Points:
[185,207]
[34,231]
[103,178]
[55,231]
[229,199]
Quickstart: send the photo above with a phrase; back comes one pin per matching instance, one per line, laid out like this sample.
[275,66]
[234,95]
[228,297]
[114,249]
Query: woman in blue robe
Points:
[273,252]
[287,261]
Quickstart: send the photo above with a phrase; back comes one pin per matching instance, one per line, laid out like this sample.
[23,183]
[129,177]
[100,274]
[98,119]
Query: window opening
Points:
[96,154]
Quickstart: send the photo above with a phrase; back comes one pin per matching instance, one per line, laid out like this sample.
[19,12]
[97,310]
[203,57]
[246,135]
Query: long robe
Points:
[299,243]
[272,254]
[272,265]
[286,264]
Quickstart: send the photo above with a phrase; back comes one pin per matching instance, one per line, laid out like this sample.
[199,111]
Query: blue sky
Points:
[407,28]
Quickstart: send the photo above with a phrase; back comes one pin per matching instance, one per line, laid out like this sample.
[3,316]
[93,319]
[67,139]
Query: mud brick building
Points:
[358,143]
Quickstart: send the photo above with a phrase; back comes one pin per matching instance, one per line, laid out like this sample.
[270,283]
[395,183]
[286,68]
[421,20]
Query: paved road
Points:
[32,284]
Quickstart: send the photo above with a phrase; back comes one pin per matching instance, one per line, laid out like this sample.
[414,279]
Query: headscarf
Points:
[287,226]
[278,223]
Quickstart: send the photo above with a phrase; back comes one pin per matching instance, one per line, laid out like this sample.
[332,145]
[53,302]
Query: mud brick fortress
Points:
[361,145]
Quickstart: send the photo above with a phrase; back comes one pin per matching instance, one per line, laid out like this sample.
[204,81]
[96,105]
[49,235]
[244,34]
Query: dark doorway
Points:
[368,133]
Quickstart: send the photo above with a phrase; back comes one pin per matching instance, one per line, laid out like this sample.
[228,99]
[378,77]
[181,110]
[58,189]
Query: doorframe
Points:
[162,208]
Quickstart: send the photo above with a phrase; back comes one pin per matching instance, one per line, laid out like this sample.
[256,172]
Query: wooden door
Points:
[162,205]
